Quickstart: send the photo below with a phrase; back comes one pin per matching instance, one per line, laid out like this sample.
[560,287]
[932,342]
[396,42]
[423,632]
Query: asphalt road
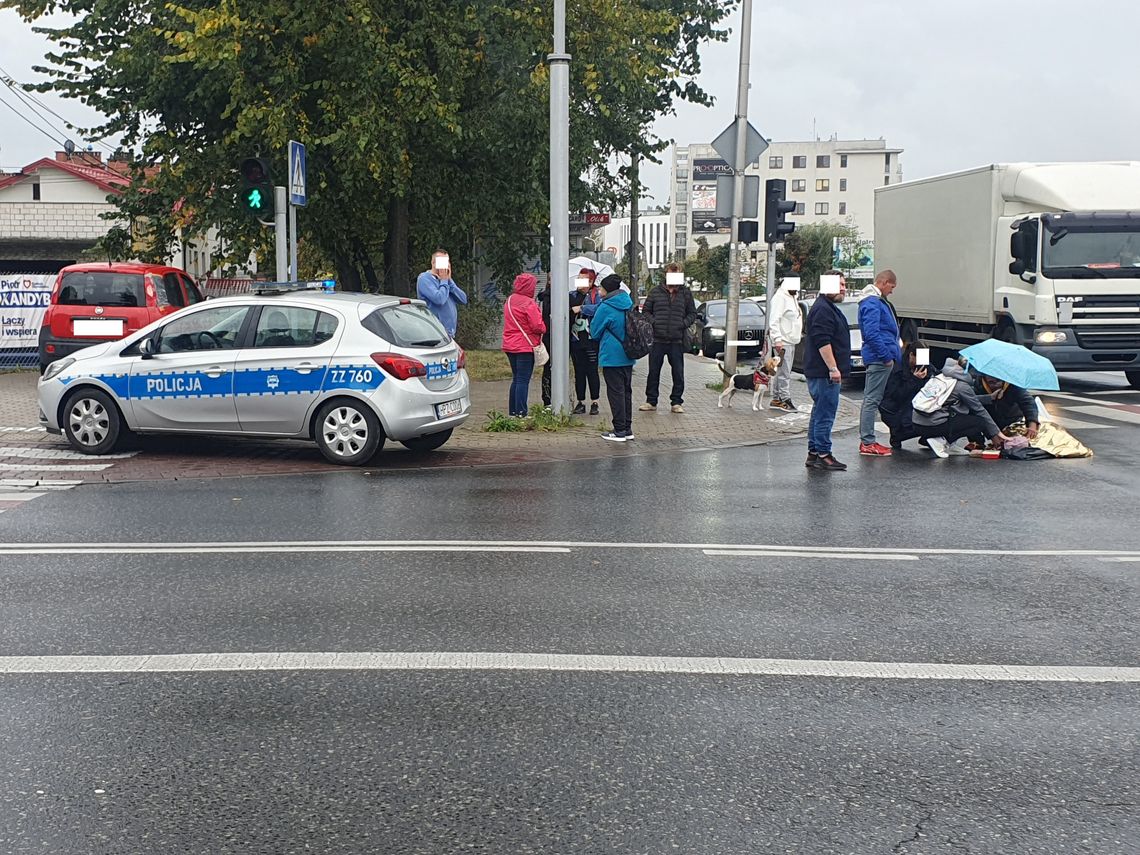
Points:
[836,573]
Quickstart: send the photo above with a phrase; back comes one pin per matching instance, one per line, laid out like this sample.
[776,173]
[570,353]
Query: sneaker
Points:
[896,443]
[873,449]
[628,436]
[594,408]
[783,404]
[958,448]
[812,459]
[677,408]
[828,463]
[923,442]
[610,436]
[648,407]
[580,409]
[939,446]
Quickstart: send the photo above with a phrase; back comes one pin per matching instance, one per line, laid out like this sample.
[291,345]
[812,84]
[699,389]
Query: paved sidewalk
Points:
[29,453]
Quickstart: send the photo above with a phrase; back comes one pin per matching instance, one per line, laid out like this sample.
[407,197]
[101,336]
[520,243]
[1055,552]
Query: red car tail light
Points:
[462,358]
[400,367]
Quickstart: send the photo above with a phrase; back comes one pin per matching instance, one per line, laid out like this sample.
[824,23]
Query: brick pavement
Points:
[29,453]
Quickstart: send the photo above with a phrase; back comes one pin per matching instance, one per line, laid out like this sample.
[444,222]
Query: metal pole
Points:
[559,214]
[294,276]
[281,246]
[733,309]
[634,255]
[770,272]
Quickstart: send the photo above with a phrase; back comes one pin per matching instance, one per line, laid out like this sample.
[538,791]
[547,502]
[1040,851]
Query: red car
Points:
[94,303]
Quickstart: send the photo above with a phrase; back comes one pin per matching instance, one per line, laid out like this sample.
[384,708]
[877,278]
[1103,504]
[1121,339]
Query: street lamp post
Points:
[559,62]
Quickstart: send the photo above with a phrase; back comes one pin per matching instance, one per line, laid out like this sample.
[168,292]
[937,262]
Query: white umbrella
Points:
[577,265]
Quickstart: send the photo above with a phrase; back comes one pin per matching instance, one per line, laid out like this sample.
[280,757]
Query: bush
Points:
[539,419]
[479,323]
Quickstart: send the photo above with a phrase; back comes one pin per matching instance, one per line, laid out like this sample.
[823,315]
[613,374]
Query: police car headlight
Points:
[1051,337]
[57,368]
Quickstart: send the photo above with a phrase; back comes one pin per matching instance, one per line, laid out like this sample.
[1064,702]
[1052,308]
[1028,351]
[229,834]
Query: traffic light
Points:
[748,231]
[776,208]
[256,195]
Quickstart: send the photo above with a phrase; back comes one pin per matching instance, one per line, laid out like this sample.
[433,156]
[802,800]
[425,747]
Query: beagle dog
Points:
[754,380]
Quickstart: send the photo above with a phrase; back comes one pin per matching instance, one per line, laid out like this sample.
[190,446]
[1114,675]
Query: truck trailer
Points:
[1046,255]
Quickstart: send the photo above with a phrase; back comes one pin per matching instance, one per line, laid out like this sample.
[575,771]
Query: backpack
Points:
[638,334]
[933,396]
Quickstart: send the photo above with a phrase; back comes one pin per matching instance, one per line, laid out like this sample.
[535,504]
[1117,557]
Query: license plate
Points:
[448,408]
[101,326]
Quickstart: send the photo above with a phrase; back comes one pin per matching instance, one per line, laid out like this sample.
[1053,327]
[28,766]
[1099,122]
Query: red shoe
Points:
[874,450]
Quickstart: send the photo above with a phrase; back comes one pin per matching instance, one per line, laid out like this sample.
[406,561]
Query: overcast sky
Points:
[955,84]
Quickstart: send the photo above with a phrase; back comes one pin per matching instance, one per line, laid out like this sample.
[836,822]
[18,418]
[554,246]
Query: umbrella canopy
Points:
[580,263]
[1013,364]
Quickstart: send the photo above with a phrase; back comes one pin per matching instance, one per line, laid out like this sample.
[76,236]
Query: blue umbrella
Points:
[1012,363]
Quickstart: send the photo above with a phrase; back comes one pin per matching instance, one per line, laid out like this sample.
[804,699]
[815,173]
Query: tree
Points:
[426,121]
[809,251]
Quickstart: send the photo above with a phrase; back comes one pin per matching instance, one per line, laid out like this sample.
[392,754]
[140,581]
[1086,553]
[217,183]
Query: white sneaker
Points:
[613,437]
[958,448]
[939,446]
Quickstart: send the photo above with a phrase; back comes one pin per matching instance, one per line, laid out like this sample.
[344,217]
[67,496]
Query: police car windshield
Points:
[102,288]
[407,325]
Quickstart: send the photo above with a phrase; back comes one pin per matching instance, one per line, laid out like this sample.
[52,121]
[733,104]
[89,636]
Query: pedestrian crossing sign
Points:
[297,193]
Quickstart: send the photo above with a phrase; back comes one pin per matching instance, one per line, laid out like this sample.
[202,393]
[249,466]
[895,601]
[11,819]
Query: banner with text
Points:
[24,297]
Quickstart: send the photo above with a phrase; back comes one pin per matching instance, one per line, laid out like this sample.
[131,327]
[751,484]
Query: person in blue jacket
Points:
[608,329]
[881,353]
[443,297]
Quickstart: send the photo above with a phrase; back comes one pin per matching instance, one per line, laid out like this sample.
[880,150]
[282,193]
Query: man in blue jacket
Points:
[880,354]
[436,288]
[608,329]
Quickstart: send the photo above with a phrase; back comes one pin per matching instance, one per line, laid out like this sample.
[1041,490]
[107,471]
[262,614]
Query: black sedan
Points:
[707,334]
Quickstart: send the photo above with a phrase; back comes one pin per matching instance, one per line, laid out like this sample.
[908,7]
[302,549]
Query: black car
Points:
[708,331]
[850,309]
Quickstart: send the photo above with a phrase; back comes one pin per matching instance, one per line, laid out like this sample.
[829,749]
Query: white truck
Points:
[1046,255]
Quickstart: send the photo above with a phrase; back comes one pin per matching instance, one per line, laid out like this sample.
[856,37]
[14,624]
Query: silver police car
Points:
[346,370]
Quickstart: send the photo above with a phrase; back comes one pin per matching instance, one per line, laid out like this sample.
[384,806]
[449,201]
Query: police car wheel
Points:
[348,432]
[427,443]
[91,422]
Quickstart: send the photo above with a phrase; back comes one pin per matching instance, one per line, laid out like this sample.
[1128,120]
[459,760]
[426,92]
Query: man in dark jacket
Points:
[1007,404]
[906,380]
[827,358]
[670,309]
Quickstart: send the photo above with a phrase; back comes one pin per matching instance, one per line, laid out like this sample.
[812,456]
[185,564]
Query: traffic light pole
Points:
[559,214]
[733,309]
[281,245]
[770,272]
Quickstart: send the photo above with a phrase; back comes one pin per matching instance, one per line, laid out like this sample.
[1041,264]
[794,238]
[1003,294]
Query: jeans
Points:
[584,355]
[657,353]
[522,367]
[878,373]
[782,382]
[825,398]
[619,391]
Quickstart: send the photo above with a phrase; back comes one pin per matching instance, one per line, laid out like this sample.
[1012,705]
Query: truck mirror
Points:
[1017,248]
[1017,267]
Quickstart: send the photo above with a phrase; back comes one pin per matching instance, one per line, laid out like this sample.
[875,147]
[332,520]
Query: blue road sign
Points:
[297,193]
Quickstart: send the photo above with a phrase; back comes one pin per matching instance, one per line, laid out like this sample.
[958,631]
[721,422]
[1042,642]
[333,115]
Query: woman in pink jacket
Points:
[522,333]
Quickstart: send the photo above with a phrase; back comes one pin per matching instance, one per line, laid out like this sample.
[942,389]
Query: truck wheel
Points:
[1133,378]
[1005,331]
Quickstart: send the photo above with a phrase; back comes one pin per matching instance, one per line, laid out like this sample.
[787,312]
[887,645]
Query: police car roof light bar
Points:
[266,288]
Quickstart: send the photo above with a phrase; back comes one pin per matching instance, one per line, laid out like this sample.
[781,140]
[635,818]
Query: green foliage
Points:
[478,321]
[426,121]
[808,251]
[538,420]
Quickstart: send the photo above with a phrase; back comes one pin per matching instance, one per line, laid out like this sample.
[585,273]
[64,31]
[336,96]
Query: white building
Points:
[655,234]
[829,180]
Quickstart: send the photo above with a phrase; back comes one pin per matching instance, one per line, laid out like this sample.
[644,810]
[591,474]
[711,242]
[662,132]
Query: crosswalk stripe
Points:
[1109,413]
[20,497]
[28,453]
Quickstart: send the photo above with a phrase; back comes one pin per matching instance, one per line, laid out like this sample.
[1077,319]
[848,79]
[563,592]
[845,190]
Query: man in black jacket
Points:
[827,359]
[671,310]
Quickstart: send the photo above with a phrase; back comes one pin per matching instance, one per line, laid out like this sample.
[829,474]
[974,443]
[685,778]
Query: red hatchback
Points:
[94,303]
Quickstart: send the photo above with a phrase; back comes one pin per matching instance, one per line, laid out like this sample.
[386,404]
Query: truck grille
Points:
[1107,307]
[1118,340]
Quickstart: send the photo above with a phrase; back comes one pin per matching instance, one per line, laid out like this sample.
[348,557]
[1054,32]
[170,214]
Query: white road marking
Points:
[23,430]
[521,545]
[21,496]
[846,556]
[481,661]
[52,467]
[27,453]
[1108,413]
[38,482]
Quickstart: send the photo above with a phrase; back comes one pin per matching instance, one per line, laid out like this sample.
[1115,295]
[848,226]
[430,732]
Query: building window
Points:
[799,211]
[823,161]
[682,219]
[682,241]
[776,163]
[683,157]
[682,204]
[822,185]
[799,185]
[821,208]
[842,185]
[36,191]
[682,173]
[887,162]
[886,180]
[799,161]
[682,188]
[842,161]
[842,208]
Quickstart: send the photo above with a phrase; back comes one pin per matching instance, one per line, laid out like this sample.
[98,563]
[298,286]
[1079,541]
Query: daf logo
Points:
[1070,299]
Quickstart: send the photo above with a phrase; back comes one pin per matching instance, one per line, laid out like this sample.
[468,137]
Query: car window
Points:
[210,329]
[290,326]
[169,290]
[193,295]
[102,288]
[408,325]
[749,311]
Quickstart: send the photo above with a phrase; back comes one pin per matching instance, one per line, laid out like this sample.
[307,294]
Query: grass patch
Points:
[538,420]
[486,365]
[716,387]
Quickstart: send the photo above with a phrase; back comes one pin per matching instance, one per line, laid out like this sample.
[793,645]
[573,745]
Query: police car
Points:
[345,370]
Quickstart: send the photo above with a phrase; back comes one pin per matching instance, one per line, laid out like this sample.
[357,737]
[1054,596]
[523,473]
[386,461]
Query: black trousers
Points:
[584,355]
[619,391]
[657,353]
[956,427]
[546,372]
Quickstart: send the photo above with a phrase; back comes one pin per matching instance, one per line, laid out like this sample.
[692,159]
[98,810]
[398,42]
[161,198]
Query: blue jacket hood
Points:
[620,301]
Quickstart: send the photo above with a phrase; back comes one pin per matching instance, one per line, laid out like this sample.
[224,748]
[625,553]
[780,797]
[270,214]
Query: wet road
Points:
[712,614]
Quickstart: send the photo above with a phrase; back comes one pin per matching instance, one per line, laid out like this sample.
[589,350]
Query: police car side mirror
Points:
[146,348]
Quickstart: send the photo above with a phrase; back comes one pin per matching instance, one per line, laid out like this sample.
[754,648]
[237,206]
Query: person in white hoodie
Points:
[785,329]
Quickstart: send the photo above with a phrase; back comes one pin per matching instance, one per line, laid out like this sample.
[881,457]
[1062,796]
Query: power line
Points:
[32,102]
[30,122]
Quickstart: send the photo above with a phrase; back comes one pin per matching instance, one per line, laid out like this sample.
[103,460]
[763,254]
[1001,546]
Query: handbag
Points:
[541,354]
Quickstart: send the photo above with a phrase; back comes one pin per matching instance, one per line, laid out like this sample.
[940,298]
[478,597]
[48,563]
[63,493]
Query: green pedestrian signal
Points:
[257,189]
